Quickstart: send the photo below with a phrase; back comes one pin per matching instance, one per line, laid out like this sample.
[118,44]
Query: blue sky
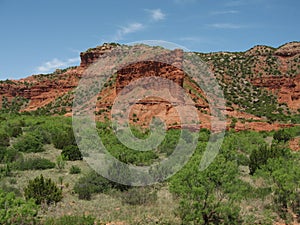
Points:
[38,36]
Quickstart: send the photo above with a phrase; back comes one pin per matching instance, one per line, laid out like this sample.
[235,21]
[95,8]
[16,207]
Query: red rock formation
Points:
[43,89]
[91,55]
[287,89]
[260,126]
[295,144]
[40,90]
[287,50]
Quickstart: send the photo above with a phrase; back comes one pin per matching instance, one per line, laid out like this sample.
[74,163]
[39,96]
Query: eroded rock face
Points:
[92,55]
[148,69]
[287,89]
[260,126]
[39,90]
[44,89]
[294,144]
[287,50]
[147,76]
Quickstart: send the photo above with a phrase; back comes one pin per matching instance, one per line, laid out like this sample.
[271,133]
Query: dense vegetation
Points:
[254,179]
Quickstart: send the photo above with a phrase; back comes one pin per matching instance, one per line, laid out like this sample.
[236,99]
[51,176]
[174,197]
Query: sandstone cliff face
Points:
[39,90]
[284,80]
[274,69]
[91,55]
[287,89]
[148,69]
[287,50]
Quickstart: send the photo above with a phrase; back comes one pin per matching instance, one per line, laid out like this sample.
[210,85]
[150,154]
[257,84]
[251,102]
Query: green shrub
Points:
[91,183]
[12,155]
[14,210]
[14,130]
[74,220]
[260,156]
[2,153]
[5,170]
[71,152]
[4,139]
[95,183]
[75,170]
[282,135]
[233,122]
[29,143]
[62,137]
[34,164]
[84,190]
[43,190]
[8,188]
[139,196]
[42,134]
[242,160]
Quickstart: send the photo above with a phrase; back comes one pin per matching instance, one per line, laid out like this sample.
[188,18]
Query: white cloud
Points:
[56,64]
[131,28]
[157,14]
[225,26]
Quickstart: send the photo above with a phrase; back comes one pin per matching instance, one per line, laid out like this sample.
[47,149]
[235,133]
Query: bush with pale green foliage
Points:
[34,164]
[15,210]
[29,143]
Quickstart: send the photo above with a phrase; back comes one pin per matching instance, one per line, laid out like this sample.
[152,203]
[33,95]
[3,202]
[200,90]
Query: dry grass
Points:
[108,208]
[105,207]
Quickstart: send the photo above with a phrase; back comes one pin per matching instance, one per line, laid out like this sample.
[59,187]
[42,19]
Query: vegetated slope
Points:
[261,87]
[254,179]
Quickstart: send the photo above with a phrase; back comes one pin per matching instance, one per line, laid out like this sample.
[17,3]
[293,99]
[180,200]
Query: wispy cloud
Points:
[198,40]
[130,28]
[156,14]
[224,12]
[184,1]
[236,3]
[225,26]
[56,64]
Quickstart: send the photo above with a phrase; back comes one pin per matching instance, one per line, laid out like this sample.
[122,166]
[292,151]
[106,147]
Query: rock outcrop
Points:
[39,90]
[287,50]
[276,70]
[92,55]
[286,88]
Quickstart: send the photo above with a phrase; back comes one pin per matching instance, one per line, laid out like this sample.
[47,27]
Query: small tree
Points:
[207,196]
[285,175]
[62,137]
[43,190]
[72,153]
